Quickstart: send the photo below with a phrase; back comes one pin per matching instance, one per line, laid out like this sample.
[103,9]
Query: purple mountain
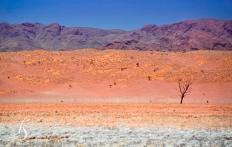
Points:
[205,34]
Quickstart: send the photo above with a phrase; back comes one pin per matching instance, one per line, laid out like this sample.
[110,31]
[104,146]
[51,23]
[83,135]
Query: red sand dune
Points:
[115,76]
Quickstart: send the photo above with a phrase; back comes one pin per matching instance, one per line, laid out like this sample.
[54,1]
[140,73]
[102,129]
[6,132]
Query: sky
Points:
[112,14]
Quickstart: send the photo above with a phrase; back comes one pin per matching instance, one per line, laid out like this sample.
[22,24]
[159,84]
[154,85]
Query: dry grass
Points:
[134,115]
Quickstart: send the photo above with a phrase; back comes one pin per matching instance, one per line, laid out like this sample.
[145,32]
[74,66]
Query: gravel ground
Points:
[49,135]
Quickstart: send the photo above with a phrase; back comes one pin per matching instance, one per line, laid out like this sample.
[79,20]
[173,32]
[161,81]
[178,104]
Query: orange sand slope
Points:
[111,115]
[114,76]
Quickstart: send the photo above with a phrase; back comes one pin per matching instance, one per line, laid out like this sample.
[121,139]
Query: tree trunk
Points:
[182,97]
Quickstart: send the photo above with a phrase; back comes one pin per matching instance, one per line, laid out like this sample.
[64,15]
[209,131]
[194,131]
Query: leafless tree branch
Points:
[185,89]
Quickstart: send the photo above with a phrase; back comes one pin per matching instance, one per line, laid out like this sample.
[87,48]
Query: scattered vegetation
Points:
[156,69]
[200,66]
[137,64]
[132,114]
[122,69]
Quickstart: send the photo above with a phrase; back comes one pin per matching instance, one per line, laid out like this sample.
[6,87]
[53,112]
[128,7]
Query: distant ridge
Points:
[205,34]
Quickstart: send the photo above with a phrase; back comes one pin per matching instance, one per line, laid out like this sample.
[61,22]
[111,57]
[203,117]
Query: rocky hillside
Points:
[209,34]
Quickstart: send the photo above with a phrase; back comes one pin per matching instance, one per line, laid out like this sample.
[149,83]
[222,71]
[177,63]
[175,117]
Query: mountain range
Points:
[201,34]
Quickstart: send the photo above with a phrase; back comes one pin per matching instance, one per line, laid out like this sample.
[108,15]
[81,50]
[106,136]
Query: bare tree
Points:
[184,87]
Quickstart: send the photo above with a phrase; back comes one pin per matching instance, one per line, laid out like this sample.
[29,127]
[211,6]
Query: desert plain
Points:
[115,98]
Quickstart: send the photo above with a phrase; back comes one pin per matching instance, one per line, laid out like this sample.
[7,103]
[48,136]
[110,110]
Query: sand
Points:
[115,76]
